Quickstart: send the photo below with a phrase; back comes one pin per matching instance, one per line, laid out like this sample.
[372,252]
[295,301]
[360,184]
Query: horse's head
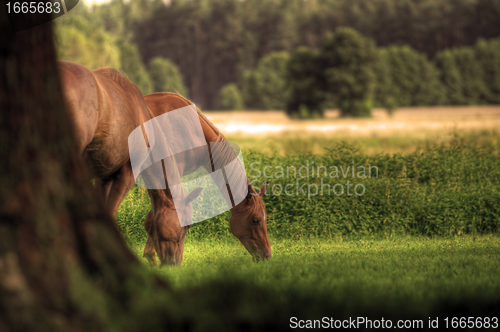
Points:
[249,224]
[163,225]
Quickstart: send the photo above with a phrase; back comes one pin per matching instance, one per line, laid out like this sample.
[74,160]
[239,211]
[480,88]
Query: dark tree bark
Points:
[63,263]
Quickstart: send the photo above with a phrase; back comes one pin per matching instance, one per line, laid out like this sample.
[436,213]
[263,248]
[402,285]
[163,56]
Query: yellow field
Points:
[404,131]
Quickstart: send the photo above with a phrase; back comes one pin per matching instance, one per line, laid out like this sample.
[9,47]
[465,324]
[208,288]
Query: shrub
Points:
[415,79]
[133,67]
[229,98]
[265,87]
[166,76]
[473,85]
[348,60]
[249,90]
[488,56]
[450,77]
[81,41]
[384,87]
[306,96]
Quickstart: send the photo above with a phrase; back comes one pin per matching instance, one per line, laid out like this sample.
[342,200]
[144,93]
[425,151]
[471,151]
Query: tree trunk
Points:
[63,263]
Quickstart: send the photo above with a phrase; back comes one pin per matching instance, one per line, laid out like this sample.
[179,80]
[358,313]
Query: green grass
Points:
[402,277]
[423,241]
[399,265]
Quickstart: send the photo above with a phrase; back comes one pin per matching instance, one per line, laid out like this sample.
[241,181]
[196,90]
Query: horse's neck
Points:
[161,198]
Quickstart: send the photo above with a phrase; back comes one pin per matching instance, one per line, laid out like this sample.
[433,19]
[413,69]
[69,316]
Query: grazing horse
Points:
[165,235]
[104,108]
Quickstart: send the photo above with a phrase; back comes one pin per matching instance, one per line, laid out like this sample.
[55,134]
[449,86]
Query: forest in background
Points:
[229,54]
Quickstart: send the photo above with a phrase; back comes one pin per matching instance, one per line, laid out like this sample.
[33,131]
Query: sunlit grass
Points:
[421,242]
[391,276]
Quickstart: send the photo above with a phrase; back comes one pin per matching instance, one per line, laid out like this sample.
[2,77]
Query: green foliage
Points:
[384,87]
[80,40]
[450,77]
[471,72]
[133,67]
[166,76]
[439,190]
[488,56]
[219,39]
[348,61]
[265,87]
[415,80]
[305,84]
[431,216]
[230,98]
[222,41]
[463,73]
[249,90]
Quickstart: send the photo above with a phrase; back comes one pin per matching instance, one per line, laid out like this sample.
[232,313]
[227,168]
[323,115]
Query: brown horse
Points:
[165,235]
[105,107]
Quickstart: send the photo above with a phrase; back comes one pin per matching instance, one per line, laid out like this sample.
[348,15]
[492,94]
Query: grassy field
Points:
[399,278]
[421,241]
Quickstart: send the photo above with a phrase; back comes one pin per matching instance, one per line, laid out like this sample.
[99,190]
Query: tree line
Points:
[235,53]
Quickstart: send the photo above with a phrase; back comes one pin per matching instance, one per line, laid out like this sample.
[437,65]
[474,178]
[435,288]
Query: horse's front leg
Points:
[149,249]
[181,243]
[150,252]
[122,182]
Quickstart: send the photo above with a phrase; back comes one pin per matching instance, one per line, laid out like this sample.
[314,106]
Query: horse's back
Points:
[163,102]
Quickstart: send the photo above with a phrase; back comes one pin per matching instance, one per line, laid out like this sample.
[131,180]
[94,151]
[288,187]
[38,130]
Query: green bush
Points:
[166,76]
[229,98]
[415,79]
[384,87]
[305,86]
[265,87]
[82,41]
[450,77]
[133,67]
[438,190]
[471,71]
[488,56]
[349,60]
[248,88]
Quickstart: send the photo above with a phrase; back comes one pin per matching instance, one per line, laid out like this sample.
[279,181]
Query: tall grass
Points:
[440,189]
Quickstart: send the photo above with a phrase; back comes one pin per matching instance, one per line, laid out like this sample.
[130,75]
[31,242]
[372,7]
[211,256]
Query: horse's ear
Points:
[193,195]
[250,193]
[263,189]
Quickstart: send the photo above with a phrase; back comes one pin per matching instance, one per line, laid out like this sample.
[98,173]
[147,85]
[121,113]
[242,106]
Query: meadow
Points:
[421,242]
